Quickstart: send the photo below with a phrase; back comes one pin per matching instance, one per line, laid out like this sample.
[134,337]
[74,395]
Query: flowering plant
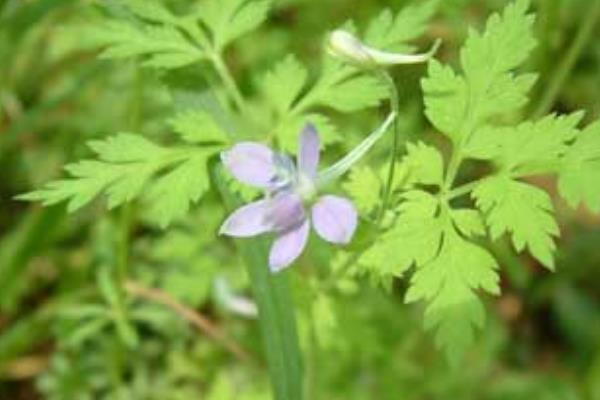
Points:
[421,216]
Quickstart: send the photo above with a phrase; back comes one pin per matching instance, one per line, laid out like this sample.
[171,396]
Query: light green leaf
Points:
[521,210]
[364,187]
[198,127]
[414,239]
[159,46]
[352,94]
[448,284]
[126,165]
[458,105]
[151,10]
[424,164]
[579,179]
[528,148]
[468,222]
[171,195]
[230,19]
[390,32]
[127,148]
[284,83]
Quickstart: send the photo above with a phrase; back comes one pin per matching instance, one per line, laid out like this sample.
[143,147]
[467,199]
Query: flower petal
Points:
[334,219]
[251,163]
[285,211]
[308,151]
[288,247]
[248,220]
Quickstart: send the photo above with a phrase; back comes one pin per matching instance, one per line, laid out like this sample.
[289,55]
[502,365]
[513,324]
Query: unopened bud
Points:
[348,48]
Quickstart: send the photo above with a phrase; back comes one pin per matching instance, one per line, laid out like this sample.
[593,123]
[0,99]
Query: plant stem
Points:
[568,62]
[394,104]
[276,312]
[230,86]
[462,190]
[123,244]
[203,324]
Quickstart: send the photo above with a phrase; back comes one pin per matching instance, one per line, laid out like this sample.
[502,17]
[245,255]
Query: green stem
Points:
[277,318]
[394,104]
[463,190]
[230,86]
[568,62]
[123,246]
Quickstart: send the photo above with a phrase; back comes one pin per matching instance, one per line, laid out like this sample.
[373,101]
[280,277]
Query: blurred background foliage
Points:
[185,329]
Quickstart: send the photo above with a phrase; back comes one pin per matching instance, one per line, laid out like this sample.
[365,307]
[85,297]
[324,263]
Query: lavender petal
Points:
[251,163]
[308,151]
[285,211]
[335,219]
[246,221]
[288,247]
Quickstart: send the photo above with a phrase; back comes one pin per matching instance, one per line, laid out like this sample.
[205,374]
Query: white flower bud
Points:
[348,48]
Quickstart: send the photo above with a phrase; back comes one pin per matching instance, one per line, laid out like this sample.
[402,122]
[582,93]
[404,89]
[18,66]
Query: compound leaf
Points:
[521,210]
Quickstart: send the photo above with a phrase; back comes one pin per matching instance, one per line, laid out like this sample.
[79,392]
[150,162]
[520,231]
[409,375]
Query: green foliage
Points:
[393,32]
[523,211]
[414,239]
[227,20]
[127,166]
[364,187]
[580,170]
[474,110]
[293,101]
[528,148]
[448,283]
[159,46]
[165,40]
[459,105]
[423,165]
[63,279]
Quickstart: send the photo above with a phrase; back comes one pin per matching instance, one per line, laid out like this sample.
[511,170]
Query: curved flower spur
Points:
[291,189]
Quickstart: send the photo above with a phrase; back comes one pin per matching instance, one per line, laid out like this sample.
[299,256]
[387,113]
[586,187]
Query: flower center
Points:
[305,188]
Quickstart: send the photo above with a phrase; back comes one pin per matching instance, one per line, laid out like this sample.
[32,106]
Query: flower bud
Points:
[348,48]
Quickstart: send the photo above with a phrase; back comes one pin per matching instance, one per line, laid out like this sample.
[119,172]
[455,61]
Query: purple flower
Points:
[291,189]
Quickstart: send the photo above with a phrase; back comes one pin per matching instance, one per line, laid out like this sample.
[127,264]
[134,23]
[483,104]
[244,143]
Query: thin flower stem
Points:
[342,166]
[394,104]
[230,86]
[568,62]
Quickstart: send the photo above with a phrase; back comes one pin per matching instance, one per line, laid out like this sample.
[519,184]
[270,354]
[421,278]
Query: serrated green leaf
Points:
[151,10]
[159,46]
[424,164]
[527,148]
[127,165]
[283,84]
[521,210]
[468,222]
[392,33]
[230,19]
[198,127]
[171,195]
[448,284]
[352,94]
[364,187]
[580,170]
[414,239]
[127,148]
[458,105]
